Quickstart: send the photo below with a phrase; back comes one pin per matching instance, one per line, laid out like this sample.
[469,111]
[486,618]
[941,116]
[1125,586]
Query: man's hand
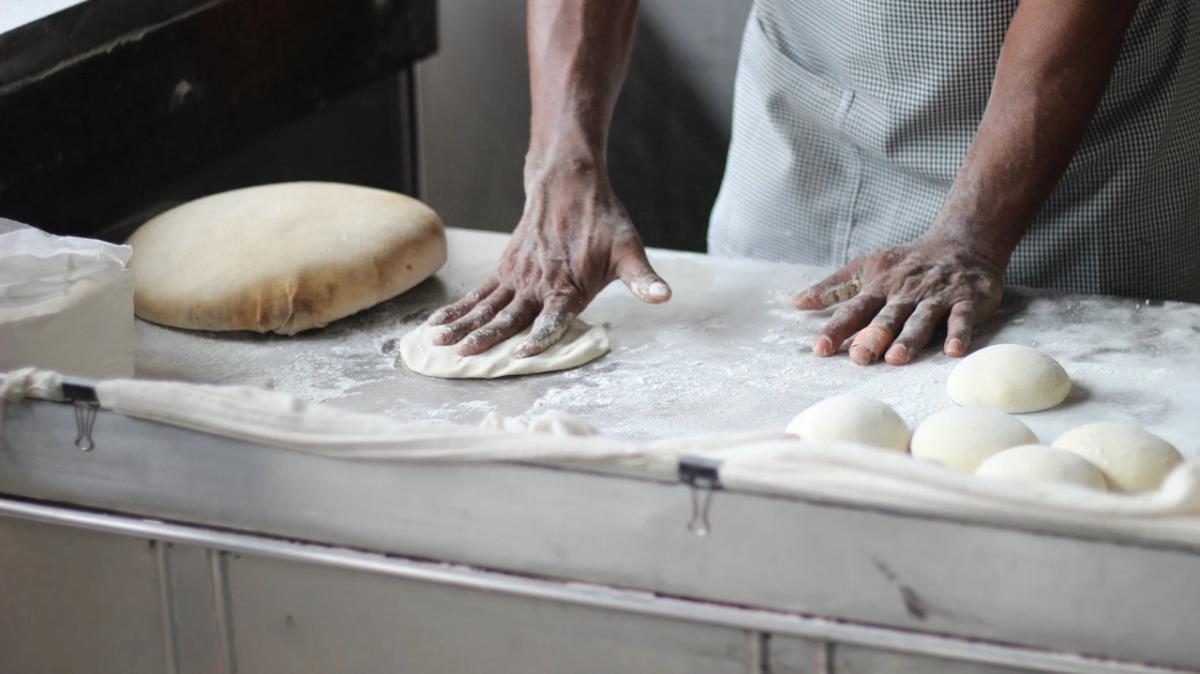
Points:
[896,298]
[573,240]
[575,236]
[1053,69]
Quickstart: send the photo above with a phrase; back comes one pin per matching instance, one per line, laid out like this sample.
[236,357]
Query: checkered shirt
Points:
[851,118]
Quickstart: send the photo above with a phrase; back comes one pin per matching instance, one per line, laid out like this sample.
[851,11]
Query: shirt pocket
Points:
[798,84]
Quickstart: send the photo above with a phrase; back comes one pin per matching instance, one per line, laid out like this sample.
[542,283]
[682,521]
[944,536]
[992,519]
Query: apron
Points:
[851,118]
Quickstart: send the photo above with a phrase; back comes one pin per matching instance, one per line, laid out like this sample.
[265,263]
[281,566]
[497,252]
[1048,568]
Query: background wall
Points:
[669,136]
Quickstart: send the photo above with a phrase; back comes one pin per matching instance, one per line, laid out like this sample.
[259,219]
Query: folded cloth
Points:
[36,266]
[66,303]
[761,462]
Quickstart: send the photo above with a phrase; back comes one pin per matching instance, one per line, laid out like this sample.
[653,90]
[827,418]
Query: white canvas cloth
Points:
[754,462]
[66,303]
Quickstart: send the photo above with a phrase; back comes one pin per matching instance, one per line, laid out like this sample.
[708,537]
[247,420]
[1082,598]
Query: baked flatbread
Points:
[282,258]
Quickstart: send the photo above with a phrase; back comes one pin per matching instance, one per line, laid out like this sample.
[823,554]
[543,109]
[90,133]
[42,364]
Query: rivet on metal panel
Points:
[85,419]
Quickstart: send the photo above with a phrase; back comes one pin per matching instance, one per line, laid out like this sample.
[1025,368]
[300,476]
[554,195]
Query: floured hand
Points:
[573,240]
[895,298]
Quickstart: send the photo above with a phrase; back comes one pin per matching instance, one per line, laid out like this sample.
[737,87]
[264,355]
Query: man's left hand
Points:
[896,298]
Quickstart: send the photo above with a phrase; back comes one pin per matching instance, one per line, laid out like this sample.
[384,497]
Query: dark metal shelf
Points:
[104,104]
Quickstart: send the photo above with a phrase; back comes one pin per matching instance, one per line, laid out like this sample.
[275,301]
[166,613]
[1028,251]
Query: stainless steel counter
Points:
[223,555]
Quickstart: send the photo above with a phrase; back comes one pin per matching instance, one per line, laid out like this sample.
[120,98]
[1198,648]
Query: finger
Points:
[513,319]
[917,332]
[851,316]
[872,341]
[459,309]
[550,326]
[483,312]
[637,275]
[958,329]
[839,286]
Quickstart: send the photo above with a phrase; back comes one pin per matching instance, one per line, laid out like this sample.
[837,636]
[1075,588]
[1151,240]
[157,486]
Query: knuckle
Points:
[481,338]
[482,314]
[932,306]
[843,314]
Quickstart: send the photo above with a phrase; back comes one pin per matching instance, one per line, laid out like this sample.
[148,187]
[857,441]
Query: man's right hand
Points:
[575,236]
[573,240]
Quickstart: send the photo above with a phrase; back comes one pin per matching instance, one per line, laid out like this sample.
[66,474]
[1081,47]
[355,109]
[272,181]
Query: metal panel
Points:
[298,618]
[802,656]
[761,628]
[193,616]
[942,576]
[860,660]
[77,601]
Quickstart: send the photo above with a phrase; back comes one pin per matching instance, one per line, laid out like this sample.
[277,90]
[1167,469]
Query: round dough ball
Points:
[1039,463]
[1009,377]
[282,258]
[1131,458]
[852,418]
[962,437]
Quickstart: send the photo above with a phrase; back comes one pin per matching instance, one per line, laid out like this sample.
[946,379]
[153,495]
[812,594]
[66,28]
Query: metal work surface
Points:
[726,353]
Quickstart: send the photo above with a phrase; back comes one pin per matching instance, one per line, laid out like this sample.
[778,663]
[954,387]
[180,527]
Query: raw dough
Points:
[852,418]
[1009,377]
[1131,458]
[581,344]
[963,437]
[282,258]
[1039,463]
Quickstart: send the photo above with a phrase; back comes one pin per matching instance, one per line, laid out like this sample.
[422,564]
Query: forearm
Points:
[578,54]
[1053,70]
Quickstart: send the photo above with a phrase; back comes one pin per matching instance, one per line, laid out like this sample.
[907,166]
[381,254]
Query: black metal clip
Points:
[700,474]
[82,396]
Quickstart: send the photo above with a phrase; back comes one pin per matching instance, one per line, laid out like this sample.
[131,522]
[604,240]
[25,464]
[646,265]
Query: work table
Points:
[221,540]
[728,352]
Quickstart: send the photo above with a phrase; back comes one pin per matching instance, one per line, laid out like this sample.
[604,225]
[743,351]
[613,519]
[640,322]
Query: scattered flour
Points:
[723,355]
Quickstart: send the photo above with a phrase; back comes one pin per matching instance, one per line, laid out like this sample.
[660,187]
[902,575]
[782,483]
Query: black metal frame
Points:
[106,103]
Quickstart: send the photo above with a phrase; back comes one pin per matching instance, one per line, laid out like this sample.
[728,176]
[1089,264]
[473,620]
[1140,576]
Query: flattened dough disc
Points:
[581,344]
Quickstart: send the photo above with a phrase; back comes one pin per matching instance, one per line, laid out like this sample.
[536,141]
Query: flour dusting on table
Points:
[727,353]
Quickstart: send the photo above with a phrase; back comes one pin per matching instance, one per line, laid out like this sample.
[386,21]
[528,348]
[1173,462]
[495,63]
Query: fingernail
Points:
[954,347]
[437,318]
[650,288]
[823,346]
[862,355]
[897,354]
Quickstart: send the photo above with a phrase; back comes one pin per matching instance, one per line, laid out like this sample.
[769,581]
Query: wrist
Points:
[573,165]
[983,248]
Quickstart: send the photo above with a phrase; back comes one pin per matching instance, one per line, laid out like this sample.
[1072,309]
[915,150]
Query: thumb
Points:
[637,275]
